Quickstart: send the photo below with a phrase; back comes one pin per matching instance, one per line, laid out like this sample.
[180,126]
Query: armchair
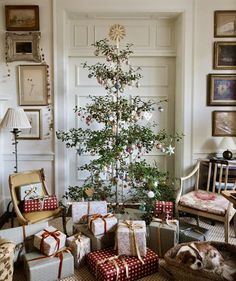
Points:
[205,200]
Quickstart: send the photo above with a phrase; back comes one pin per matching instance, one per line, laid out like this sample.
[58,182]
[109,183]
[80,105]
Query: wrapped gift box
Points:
[106,265]
[189,232]
[163,236]
[164,210]
[39,268]
[40,204]
[97,242]
[49,240]
[101,224]
[131,238]
[81,210]
[30,191]
[6,259]
[22,234]
[80,247]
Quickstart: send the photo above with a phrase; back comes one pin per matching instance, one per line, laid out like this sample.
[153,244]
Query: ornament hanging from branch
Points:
[117,33]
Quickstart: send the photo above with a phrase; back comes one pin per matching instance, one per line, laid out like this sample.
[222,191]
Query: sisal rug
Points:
[216,233]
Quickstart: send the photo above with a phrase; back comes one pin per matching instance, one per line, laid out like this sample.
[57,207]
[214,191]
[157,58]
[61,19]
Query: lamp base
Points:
[227,154]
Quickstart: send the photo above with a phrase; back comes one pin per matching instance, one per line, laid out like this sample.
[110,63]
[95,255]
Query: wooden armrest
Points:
[195,169]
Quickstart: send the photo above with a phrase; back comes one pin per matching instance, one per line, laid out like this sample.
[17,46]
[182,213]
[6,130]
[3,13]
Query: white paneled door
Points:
[158,83]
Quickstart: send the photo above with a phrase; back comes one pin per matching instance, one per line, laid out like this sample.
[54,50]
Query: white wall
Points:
[203,142]
[33,154]
[194,60]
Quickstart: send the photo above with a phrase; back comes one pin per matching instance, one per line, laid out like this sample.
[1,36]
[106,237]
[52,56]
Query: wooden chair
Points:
[28,177]
[206,199]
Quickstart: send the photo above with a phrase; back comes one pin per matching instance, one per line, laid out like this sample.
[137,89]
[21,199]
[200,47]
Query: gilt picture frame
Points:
[221,90]
[224,23]
[33,133]
[33,84]
[225,55]
[223,123]
[22,47]
[22,17]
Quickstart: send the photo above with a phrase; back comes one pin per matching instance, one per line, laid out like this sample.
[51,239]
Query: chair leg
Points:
[235,224]
[226,227]
[198,221]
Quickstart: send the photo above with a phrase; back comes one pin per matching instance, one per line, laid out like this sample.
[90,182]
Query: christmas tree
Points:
[119,170]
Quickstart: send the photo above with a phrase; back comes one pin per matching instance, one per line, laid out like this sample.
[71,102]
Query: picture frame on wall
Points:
[22,47]
[223,123]
[224,23]
[221,89]
[22,17]
[225,55]
[33,84]
[33,133]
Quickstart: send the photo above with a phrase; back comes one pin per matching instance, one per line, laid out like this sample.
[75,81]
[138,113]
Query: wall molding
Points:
[28,157]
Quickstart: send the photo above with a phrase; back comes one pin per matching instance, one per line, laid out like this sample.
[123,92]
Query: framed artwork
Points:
[223,123]
[221,89]
[33,88]
[224,23]
[224,55]
[24,47]
[22,17]
[34,133]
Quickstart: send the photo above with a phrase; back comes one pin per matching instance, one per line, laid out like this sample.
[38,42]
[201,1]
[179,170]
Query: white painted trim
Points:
[29,157]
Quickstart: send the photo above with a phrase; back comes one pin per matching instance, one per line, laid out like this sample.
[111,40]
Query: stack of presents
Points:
[112,249]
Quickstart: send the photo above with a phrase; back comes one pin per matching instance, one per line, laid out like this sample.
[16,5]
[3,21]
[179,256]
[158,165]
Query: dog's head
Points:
[189,257]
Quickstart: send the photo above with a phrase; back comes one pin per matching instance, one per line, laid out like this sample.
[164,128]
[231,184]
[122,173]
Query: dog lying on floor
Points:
[201,255]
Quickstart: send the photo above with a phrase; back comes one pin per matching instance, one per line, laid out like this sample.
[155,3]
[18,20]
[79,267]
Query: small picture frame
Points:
[221,89]
[33,84]
[224,23]
[22,17]
[33,133]
[223,123]
[225,55]
[24,47]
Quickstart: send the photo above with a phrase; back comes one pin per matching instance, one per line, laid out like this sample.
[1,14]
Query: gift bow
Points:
[99,216]
[113,260]
[31,190]
[169,222]
[132,226]
[78,240]
[55,234]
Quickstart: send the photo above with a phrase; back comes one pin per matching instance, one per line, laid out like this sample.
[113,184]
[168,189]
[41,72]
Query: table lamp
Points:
[15,119]
[227,144]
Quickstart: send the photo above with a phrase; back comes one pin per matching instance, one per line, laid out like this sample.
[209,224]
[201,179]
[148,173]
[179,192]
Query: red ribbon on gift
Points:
[103,217]
[55,234]
[59,255]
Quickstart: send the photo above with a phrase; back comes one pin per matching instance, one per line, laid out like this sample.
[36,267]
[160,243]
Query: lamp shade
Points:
[15,118]
[227,143]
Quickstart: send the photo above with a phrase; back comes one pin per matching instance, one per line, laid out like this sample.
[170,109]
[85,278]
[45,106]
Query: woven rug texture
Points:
[216,233]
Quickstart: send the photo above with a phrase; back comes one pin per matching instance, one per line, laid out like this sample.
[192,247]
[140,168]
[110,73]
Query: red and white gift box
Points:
[80,247]
[101,224]
[164,210]
[49,241]
[107,266]
[40,204]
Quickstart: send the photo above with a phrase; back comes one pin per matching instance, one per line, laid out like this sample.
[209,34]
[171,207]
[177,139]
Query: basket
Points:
[180,272]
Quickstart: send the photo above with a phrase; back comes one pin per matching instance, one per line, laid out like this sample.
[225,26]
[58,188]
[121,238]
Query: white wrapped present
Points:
[80,247]
[49,240]
[101,224]
[22,234]
[131,238]
[30,191]
[81,210]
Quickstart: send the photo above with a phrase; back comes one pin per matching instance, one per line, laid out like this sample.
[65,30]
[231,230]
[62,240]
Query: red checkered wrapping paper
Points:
[164,210]
[40,204]
[108,272]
